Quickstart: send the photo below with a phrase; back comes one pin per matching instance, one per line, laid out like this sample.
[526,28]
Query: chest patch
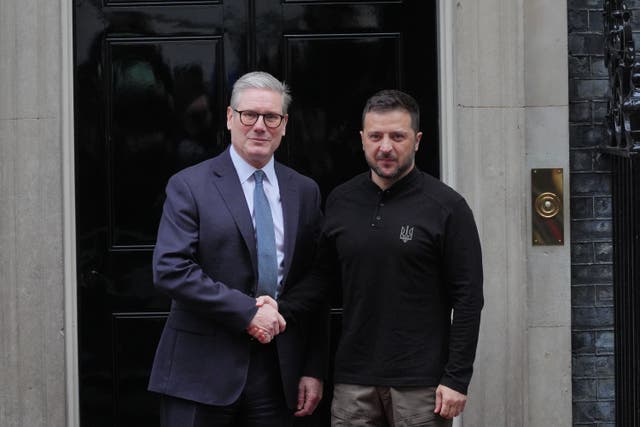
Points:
[406,233]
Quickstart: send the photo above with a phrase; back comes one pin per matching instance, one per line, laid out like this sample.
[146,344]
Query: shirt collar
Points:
[400,184]
[245,170]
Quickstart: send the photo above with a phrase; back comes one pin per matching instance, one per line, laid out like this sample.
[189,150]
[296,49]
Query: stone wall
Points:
[511,99]
[32,335]
[591,226]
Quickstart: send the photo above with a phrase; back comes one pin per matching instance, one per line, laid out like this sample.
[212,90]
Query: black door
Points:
[152,83]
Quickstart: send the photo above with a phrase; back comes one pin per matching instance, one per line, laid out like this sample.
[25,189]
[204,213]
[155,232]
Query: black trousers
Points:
[261,403]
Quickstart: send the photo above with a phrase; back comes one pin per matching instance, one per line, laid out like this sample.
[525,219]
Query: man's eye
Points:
[272,117]
[250,114]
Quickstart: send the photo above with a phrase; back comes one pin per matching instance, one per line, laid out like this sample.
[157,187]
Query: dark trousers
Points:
[261,403]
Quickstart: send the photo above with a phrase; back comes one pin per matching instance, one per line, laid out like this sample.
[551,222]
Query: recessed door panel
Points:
[135,340]
[165,106]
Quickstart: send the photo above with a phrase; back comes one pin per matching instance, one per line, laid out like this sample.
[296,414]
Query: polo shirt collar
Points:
[402,183]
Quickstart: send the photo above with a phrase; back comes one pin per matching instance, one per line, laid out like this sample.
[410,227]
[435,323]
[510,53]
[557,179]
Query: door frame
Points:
[446,90]
[72,381]
[446,76]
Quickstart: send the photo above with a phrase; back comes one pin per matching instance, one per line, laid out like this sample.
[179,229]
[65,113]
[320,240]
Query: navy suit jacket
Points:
[205,260]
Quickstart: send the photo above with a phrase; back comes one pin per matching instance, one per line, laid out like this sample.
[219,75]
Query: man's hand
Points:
[449,403]
[265,299]
[309,395]
[267,322]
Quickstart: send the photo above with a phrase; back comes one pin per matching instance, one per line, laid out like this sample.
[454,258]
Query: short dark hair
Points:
[391,99]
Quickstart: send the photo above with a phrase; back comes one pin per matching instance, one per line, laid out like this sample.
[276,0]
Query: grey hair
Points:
[260,80]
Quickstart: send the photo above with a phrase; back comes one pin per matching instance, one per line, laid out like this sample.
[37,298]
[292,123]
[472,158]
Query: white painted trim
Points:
[446,73]
[446,91]
[69,237]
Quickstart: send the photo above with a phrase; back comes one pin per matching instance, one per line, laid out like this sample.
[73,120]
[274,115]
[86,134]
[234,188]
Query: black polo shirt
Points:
[405,257]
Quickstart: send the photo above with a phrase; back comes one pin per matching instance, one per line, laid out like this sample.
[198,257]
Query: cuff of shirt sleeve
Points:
[452,383]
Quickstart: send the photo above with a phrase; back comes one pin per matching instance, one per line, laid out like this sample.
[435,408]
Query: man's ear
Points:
[229,117]
[418,138]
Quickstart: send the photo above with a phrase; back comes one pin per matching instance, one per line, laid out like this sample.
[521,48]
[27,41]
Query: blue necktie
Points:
[266,240]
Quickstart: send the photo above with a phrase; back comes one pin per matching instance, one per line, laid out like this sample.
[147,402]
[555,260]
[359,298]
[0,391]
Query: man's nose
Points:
[259,124]
[385,144]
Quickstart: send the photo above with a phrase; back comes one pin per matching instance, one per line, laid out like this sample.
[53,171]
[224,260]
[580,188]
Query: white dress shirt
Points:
[272,191]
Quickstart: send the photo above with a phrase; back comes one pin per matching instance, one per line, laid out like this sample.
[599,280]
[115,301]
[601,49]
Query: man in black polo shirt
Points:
[406,251]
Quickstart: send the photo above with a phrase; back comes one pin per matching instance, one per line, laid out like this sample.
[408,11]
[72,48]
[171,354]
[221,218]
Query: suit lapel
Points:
[225,178]
[290,198]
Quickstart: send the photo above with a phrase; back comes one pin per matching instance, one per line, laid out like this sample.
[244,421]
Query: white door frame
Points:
[69,218]
[446,76]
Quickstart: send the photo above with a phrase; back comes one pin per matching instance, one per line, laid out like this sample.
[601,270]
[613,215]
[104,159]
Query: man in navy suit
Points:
[209,370]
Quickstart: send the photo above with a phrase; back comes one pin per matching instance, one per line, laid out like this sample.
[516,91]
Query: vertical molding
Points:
[69,231]
[486,163]
[446,93]
[446,89]
[546,92]
[32,320]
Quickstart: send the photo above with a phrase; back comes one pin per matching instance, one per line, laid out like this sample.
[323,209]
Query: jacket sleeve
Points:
[317,352]
[176,268]
[312,293]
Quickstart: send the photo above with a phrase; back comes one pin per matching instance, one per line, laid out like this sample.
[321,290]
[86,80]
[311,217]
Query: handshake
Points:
[267,322]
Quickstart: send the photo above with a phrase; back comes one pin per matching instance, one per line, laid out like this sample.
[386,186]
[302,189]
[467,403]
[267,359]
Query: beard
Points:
[400,170]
